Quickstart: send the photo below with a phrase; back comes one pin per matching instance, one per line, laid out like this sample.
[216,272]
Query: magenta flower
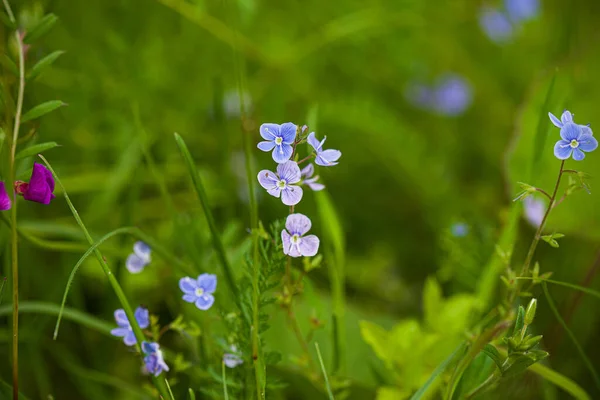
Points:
[40,186]
[283,183]
[294,243]
[5,202]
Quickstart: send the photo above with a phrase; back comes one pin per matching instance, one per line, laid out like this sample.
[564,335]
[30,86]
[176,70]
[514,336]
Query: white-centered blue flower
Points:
[124,328]
[199,291]
[153,358]
[295,244]
[141,256]
[278,138]
[575,139]
[283,183]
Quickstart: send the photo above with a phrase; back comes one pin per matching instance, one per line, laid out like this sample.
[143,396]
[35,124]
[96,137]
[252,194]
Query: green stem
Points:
[485,385]
[158,383]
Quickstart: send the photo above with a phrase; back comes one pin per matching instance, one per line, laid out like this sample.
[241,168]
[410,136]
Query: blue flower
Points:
[522,10]
[307,174]
[452,95]
[139,258]
[153,360]
[199,291]
[495,24]
[279,138]
[283,183]
[294,243]
[575,138]
[459,229]
[534,210]
[125,330]
[324,158]
[233,359]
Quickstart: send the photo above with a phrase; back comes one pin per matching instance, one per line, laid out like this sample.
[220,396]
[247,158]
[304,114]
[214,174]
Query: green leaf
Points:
[560,380]
[42,109]
[419,394]
[35,149]
[192,395]
[378,338]
[517,364]
[6,391]
[493,353]
[41,28]
[520,320]
[43,63]
[542,130]
[9,64]
[583,289]
[432,301]
[327,385]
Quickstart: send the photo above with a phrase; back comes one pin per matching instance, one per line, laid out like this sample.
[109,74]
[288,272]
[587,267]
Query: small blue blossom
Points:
[125,330]
[522,10]
[576,139]
[137,261]
[495,24]
[324,158]
[294,243]
[283,183]
[310,181]
[452,95]
[278,138]
[459,229]
[534,210]
[199,291]
[233,359]
[153,358]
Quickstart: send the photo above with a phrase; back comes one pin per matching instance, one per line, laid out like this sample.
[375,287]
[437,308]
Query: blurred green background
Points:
[136,71]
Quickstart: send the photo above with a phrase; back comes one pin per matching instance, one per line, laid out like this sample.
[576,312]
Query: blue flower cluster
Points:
[450,95]
[283,140]
[137,261]
[500,24]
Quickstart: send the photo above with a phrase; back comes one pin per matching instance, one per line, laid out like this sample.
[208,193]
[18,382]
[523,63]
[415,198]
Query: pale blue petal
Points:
[266,146]
[121,317]
[308,171]
[142,317]
[313,141]
[588,143]
[314,186]
[275,192]
[129,339]
[267,179]
[149,347]
[188,285]
[205,301]
[231,360]
[555,120]
[190,298]
[269,131]
[562,150]
[288,132]
[578,155]
[309,245]
[297,224]
[328,158]
[285,241]
[143,251]
[120,332]
[135,264]
[586,130]
[282,153]
[290,172]
[207,282]
[291,195]
[570,131]
[566,117]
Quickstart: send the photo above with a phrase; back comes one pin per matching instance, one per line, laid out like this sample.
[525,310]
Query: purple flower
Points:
[294,244]
[522,10]
[307,173]
[233,359]
[5,202]
[125,330]
[282,184]
[495,24]
[325,158]
[575,138]
[452,95]
[153,360]
[40,186]
[534,210]
[139,258]
[199,291]
[279,138]
[459,229]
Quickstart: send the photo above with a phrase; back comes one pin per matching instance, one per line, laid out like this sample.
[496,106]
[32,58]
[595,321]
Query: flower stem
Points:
[485,385]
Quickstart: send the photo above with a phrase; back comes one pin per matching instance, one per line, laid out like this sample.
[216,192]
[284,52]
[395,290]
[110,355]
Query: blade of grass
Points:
[565,284]
[541,134]
[437,372]
[158,383]
[327,385]
[224,377]
[582,354]
[560,380]
[192,395]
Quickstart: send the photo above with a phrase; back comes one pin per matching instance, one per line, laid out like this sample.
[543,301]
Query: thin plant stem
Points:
[485,385]
[296,328]
[327,385]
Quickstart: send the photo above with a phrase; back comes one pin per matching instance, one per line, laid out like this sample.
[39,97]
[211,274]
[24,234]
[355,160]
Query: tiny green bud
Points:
[530,313]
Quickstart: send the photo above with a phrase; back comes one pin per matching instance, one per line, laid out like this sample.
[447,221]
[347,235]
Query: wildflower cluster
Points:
[500,24]
[39,189]
[450,95]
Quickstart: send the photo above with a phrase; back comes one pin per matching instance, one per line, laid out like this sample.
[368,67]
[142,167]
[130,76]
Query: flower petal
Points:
[267,179]
[134,264]
[309,246]
[142,250]
[555,120]
[269,131]
[121,318]
[5,202]
[40,187]
[588,143]
[570,131]
[190,298]
[129,339]
[578,155]
[207,282]
[119,332]
[562,150]
[282,153]
[586,130]
[205,301]
[266,146]
[188,285]
[290,172]
[285,241]
[307,171]
[297,224]
[288,132]
[566,117]
[313,141]
[291,195]
[142,316]
[275,192]
[149,347]
[328,158]
[314,186]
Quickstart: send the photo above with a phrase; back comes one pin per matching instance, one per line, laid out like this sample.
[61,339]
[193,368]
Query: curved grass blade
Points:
[419,394]
[560,380]
[327,385]
[224,377]
[566,284]
[585,359]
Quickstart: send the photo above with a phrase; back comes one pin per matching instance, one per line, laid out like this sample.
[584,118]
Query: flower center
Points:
[278,141]
[282,184]
[574,144]
[295,238]
[199,292]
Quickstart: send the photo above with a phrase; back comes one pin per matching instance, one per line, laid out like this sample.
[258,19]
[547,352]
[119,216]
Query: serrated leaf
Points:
[43,63]
[35,149]
[493,353]
[41,28]
[42,109]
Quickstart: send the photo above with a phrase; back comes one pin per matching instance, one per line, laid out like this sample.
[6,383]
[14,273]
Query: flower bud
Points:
[530,313]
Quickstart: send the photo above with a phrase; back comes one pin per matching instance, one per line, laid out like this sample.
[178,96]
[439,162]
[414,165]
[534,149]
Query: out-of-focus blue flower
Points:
[124,329]
[153,359]
[534,210]
[452,95]
[233,359]
[294,243]
[324,158]
[307,174]
[140,257]
[278,138]
[419,95]
[200,290]
[5,202]
[576,139]
[522,10]
[495,24]
[282,184]
[459,229]
[232,103]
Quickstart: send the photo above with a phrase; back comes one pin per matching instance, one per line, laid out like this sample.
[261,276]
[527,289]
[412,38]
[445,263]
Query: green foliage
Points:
[41,109]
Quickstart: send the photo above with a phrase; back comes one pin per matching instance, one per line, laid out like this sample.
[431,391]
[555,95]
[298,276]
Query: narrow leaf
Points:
[192,395]
[43,63]
[565,284]
[327,385]
[42,109]
[9,64]
[560,380]
[493,353]
[224,376]
[520,320]
[419,394]
[35,149]
[41,28]
[542,130]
